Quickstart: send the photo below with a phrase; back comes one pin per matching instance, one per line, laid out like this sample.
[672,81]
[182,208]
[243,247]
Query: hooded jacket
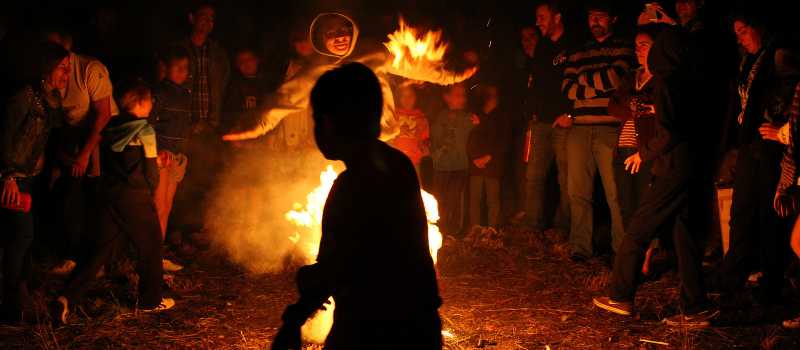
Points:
[674,69]
[293,95]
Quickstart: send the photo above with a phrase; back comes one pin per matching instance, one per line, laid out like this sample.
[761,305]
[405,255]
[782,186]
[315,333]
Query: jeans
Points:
[450,187]
[591,149]
[76,202]
[16,239]
[665,206]
[548,145]
[477,185]
[127,215]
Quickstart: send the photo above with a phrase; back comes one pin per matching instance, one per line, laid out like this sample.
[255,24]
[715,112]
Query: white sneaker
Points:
[64,268]
[170,266]
[166,304]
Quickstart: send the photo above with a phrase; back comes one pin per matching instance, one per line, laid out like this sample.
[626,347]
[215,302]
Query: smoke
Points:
[246,217]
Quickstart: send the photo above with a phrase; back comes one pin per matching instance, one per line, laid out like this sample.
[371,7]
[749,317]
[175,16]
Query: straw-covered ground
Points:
[504,292]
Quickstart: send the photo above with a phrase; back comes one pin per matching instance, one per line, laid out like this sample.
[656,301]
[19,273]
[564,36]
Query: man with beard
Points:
[591,75]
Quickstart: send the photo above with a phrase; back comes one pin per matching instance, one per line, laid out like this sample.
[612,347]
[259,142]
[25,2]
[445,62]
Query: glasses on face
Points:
[339,32]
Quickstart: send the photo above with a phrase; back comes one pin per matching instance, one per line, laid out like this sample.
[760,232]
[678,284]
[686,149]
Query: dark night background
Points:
[126,34]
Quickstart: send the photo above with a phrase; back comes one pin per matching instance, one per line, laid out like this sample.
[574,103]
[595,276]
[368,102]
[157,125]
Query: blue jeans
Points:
[590,149]
[547,146]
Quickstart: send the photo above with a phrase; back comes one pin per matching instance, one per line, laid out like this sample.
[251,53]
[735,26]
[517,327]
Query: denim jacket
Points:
[24,130]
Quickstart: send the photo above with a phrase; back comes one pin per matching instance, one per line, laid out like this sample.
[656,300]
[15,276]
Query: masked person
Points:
[335,36]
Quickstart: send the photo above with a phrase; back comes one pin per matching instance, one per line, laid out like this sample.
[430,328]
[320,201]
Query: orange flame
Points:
[409,48]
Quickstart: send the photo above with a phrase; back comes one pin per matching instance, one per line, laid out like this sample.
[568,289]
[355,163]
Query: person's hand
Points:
[79,165]
[769,132]
[287,338]
[662,17]
[784,204]
[481,162]
[475,119]
[563,121]
[165,159]
[10,196]
[633,163]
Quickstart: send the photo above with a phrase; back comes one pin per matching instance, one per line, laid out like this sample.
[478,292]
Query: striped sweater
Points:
[591,76]
[789,162]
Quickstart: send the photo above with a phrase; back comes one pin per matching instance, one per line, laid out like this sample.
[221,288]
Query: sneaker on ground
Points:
[170,266]
[698,320]
[623,308]
[166,304]
[792,324]
[59,310]
[63,268]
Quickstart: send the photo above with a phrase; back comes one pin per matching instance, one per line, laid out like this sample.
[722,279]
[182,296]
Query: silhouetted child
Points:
[487,148]
[414,130]
[127,211]
[449,132]
[373,257]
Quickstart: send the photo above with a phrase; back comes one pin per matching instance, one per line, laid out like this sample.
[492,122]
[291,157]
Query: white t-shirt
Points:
[88,82]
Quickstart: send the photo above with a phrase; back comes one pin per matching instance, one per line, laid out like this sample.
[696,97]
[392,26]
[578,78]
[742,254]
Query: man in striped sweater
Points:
[592,74]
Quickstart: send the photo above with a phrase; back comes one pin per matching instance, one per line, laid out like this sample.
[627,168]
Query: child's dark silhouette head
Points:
[347,103]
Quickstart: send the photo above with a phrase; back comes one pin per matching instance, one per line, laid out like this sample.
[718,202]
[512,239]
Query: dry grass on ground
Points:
[521,294]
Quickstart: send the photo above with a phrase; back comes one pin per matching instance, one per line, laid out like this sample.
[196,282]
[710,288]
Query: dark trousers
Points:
[16,239]
[127,215]
[756,230]
[75,208]
[422,333]
[478,186]
[450,187]
[664,206]
[193,195]
[630,187]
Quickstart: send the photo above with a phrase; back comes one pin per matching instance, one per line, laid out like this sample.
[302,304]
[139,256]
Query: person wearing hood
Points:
[336,36]
[128,212]
[673,62]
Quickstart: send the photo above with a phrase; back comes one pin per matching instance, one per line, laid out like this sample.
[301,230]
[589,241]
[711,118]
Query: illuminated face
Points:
[456,98]
[747,36]
[545,20]
[177,71]
[686,9]
[59,77]
[600,24]
[407,97]
[529,38]
[643,44]
[247,63]
[338,35]
[203,20]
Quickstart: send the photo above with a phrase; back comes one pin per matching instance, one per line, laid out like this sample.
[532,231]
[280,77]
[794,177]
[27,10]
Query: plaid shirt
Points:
[200,92]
